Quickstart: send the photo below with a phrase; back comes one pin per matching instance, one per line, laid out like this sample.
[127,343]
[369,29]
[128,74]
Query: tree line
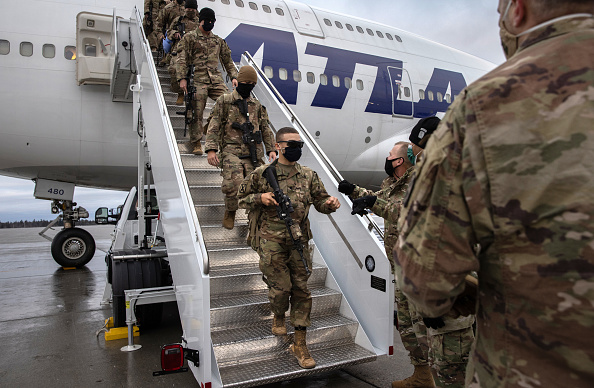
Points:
[38,223]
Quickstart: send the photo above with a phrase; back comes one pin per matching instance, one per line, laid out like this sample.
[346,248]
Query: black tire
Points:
[127,275]
[73,247]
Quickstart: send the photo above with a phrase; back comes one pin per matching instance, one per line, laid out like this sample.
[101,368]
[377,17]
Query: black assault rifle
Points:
[284,210]
[250,137]
[188,113]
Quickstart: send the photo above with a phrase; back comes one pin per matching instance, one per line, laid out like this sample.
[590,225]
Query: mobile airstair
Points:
[221,297]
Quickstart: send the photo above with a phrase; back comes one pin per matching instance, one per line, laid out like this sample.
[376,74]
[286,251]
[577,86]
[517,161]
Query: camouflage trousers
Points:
[234,170]
[203,91]
[413,331]
[284,274]
[173,73]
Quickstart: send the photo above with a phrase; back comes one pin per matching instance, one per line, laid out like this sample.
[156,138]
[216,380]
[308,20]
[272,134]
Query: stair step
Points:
[212,215]
[190,161]
[249,308]
[207,195]
[285,366]
[219,237]
[197,177]
[233,346]
[230,259]
[249,279]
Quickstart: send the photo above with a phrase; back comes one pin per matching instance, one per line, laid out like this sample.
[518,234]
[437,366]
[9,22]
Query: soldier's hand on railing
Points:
[212,158]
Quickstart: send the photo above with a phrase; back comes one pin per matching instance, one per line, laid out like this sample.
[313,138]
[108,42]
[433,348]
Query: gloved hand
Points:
[360,204]
[346,187]
[434,323]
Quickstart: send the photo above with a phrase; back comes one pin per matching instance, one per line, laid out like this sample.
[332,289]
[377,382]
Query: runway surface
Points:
[49,319]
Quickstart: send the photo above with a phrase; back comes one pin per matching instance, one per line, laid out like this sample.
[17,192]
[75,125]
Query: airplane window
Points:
[282,74]
[430,95]
[48,50]
[26,49]
[398,38]
[328,22]
[406,92]
[311,78]
[439,97]
[225,2]
[296,76]
[239,3]
[323,79]
[253,6]
[266,9]
[359,84]
[70,53]
[380,34]
[4,47]
[268,70]
[421,94]
[349,27]
[335,81]
[348,83]
[389,36]
[360,30]
[369,31]
[280,11]
[338,24]
[448,98]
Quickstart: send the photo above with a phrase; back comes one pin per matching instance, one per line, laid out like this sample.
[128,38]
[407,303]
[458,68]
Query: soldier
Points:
[281,265]
[177,29]
[204,49]
[227,135]
[151,14]
[511,168]
[166,17]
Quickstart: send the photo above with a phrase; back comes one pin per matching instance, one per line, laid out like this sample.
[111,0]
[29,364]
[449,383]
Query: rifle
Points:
[149,21]
[284,210]
[188,113]
[250,137]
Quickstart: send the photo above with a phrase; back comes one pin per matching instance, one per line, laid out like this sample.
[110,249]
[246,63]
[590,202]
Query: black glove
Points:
[346,187]
[360,204]
[434,323]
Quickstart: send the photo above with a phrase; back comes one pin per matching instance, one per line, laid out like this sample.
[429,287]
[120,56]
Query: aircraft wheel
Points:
[73,247]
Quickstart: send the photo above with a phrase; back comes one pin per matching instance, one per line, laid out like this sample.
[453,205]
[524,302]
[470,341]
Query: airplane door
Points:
[402,97]
[305,19]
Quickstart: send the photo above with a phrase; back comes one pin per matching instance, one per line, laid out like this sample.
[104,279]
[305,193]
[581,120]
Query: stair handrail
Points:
[371,222]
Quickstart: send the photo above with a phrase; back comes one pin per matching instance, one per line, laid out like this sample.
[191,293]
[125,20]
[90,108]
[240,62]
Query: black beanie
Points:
[420,133]
[206,14]
[192,4]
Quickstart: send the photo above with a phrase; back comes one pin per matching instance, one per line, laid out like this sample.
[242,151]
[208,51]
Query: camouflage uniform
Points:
[228,141]
[166,16]
[511,168]
[189,25]
[151,33]
[204,52]
[281,265]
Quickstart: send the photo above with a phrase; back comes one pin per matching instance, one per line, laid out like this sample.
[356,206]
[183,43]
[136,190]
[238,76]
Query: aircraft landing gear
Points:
[71,247]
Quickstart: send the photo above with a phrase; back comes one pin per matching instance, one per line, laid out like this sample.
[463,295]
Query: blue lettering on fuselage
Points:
[280,51]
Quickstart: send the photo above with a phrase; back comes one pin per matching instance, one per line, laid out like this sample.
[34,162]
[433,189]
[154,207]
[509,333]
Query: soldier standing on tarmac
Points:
[204,50]
[511,169]
[180,26]
[282,267]
[166,17]
[227,135]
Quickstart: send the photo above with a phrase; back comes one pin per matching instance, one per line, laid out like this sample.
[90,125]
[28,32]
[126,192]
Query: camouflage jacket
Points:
[189,25]
[303,186]
[157,6]
[222,137]
[511,167]
[168,14]
[204,52]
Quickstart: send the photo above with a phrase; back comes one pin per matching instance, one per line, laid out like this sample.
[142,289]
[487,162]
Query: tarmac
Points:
[51,321]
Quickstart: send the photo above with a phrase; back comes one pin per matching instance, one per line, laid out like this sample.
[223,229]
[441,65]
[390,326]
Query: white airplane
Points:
[358,86]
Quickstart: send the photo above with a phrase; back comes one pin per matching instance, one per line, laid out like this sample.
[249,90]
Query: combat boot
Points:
[229,219]
[198,149]
[180,99]
[421,378]
[299,349]
[278,325]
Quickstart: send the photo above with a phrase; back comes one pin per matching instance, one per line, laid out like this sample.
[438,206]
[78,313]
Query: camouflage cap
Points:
[247,74]
[425,127]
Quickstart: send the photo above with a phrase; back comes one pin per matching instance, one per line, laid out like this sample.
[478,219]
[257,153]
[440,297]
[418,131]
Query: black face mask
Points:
[244,89]
[388,168]
[292,154]
[208,26]
[180,2]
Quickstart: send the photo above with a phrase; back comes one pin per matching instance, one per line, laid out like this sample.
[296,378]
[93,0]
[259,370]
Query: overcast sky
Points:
[468,25]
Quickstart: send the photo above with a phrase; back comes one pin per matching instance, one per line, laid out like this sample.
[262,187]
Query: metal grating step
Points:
[212,215]
[217,237]
[285,367]
[247,309]
[207,195]
[230,259]
[234,346]
[190,161]
[197,177]
[249,279]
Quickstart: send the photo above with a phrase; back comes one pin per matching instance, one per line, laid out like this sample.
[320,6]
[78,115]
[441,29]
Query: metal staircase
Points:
[245,350]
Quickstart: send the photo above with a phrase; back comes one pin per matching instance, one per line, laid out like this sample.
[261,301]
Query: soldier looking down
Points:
[511,168]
